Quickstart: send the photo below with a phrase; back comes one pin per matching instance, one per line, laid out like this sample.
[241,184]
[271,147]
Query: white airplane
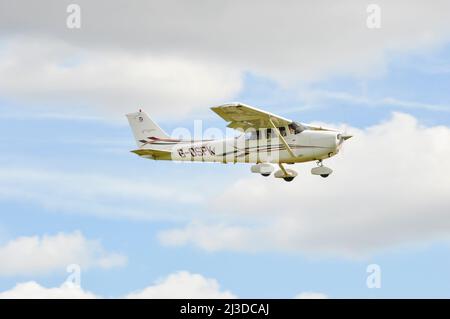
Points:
[268,139]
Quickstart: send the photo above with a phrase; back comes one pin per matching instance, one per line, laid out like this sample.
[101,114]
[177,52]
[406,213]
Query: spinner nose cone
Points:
[341,138]
[346,136]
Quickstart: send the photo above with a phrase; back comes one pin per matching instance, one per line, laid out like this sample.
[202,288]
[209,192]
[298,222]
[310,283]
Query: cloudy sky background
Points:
[71,193]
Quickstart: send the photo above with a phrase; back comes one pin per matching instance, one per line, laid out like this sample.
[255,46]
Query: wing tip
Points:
[236,103]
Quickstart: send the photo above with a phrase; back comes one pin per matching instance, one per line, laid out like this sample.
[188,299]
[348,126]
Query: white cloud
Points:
[311,295]
[183,285]
[62,77]
[322,97]
[177,285]
[306,39]
[32,290]
[390,187]
[44,254]
[99,195]
[137,56]
[211,237]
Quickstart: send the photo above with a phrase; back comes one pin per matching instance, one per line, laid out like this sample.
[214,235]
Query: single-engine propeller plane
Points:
[266,139]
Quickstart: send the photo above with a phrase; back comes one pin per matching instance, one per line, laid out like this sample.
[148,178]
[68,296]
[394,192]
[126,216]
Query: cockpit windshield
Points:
[295,128]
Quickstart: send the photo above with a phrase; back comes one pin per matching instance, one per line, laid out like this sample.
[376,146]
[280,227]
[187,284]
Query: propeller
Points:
[346,136]
[343,137]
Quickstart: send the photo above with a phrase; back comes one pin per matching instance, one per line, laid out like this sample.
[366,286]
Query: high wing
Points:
[244,116]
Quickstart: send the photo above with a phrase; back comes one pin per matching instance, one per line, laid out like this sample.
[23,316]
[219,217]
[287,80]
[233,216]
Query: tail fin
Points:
[144,128]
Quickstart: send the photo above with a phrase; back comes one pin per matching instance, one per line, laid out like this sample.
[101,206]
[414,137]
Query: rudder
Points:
[144,128]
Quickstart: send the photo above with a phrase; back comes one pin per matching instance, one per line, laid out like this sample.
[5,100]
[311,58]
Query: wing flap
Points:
[245,116]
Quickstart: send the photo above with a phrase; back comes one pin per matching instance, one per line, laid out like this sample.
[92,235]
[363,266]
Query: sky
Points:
[82,217]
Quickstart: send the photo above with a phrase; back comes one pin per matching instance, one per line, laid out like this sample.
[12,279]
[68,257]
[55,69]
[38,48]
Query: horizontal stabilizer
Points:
[155,154]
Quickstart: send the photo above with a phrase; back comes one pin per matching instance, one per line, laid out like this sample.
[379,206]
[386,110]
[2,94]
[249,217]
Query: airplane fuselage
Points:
[307,146]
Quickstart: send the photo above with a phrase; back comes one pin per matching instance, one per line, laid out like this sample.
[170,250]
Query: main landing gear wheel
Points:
[324,175]
[265,169]
[287,174]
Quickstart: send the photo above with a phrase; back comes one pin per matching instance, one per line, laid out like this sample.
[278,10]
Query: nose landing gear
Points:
[321,170]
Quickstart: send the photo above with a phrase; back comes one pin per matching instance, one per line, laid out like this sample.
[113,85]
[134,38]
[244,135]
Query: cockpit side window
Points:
[282,130]
[266,133]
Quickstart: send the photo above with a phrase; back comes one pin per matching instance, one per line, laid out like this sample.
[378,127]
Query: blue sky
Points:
[72,143]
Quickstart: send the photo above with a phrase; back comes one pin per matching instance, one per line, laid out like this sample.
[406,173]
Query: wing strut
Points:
[281,138]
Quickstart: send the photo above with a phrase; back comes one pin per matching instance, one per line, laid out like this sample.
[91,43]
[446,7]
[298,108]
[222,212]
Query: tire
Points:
[288,179]
[265,175]
[325,175]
